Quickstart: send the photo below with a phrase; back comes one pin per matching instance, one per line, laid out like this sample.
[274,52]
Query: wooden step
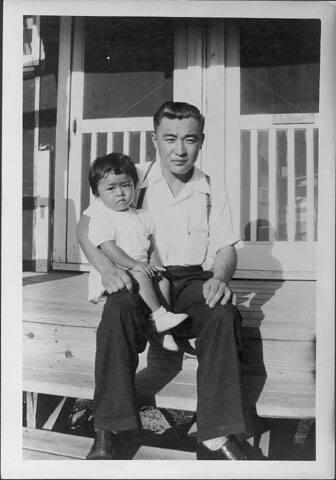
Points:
[277,397]
[47,445]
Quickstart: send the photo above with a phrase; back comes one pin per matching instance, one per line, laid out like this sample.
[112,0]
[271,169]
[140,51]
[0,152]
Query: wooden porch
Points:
[59,344]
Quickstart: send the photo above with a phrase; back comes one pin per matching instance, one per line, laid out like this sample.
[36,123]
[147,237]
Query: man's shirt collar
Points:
[197,183]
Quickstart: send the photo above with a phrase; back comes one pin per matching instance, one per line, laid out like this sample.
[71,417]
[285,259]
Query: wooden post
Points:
[62,140]
[325,288]
[42,225]
[31,407]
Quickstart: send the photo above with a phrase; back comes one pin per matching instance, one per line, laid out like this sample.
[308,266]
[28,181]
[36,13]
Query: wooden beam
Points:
[62,140]
[325,308]
[42,214]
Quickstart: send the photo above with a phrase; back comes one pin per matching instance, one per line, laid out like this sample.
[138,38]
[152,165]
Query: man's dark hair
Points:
[117,163]
[178,110]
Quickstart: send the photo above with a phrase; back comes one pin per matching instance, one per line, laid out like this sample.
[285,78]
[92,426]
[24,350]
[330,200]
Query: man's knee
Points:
[124,307]
[226,316]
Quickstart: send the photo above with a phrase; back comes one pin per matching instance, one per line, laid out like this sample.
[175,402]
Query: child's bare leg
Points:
[166,339]
[162,319]
[147,291]
[164,287]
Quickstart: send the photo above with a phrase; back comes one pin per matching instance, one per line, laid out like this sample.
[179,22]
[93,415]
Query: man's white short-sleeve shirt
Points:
[183,234]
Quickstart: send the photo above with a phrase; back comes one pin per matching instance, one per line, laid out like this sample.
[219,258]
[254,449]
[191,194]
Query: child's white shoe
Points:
[165,320]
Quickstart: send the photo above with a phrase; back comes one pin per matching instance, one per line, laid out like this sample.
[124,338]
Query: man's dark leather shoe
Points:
[229,451]
[104,446]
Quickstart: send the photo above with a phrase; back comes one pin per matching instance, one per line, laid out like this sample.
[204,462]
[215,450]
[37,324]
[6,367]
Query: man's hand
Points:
[147,269]
[215,290]
[115,278]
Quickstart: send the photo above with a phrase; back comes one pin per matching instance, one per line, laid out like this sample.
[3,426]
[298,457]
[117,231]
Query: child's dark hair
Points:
[116,163]
[178,110]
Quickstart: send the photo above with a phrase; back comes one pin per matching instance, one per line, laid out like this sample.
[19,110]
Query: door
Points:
[272,81]
[123,69]
[120,74]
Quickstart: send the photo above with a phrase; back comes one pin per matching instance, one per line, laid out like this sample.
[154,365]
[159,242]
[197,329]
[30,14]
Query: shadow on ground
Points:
[28,279]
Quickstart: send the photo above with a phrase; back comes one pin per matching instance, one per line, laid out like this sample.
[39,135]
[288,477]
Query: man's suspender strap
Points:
[143,190]
[208,199]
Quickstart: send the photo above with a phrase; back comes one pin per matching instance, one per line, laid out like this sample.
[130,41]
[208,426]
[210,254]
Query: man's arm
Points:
[113,277]
[217,288]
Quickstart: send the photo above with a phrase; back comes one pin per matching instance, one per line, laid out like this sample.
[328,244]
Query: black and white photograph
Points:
[205,332]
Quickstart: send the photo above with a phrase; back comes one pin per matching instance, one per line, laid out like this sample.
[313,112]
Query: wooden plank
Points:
[109,144]
[42,225]
[232,158]
[310,183]
[46,445]
[291,213]
[74,385]
[56,443]
[62,139]
[49,424]
[180,63]
[37,455]
[214,108]
[126,124]
[126,142]
[143,147]
[272,185]
[254,185]
[73,253]
[93,150]
[274,400]
[31,406]
[194,76]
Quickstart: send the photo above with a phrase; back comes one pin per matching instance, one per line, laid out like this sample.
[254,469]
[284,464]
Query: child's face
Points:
[116,191]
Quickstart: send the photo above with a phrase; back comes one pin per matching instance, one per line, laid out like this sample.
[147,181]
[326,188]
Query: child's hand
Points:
[147,268]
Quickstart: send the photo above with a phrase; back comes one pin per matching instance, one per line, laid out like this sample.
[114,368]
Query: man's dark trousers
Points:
[123,333]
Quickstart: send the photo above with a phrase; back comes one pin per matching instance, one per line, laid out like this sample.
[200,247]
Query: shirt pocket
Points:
[196,246]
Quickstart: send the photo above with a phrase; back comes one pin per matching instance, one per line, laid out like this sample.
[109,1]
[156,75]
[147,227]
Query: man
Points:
[193,228]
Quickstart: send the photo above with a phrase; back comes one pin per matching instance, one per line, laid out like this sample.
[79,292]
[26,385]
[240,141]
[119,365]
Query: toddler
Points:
[125,235]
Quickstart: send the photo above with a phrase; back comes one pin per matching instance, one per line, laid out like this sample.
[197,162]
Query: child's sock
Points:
[165,320]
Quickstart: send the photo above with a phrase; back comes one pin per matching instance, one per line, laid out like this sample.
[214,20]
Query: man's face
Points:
[178,143]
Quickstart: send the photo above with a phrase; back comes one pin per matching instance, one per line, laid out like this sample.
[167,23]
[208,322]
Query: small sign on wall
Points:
[290,118]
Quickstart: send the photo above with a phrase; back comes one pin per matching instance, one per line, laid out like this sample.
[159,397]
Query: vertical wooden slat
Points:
[310,183]
[126,142]
[214,88]
[195,61]
[62,140]
[42,225]
[325,285]
[75,156]
[181,63]
[93,154]
[291,186]
[93,150]
[232,158]
[31,408]
[109,144]
[254,185]
[272,184]
[143,145]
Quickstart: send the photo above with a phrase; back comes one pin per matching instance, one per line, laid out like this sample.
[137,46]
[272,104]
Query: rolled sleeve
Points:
[98,234]
[100,228]
[221,232]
